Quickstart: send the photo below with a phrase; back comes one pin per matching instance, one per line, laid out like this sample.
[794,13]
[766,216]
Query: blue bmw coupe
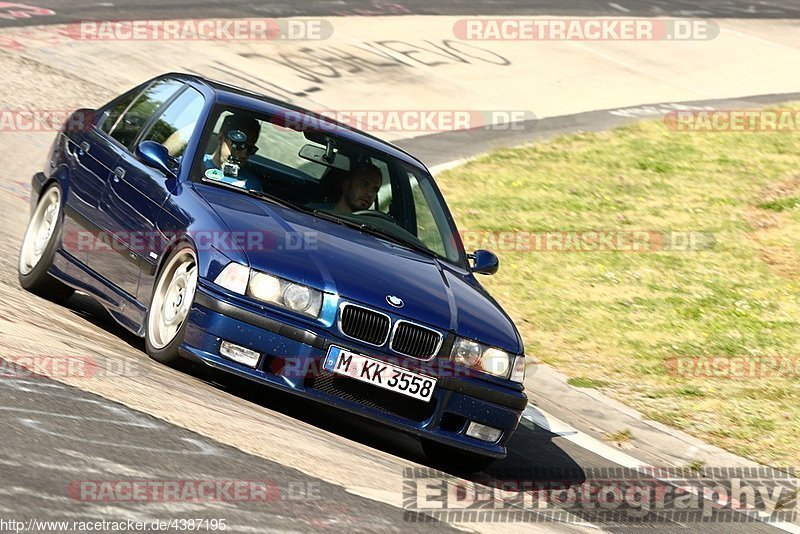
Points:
[268,241]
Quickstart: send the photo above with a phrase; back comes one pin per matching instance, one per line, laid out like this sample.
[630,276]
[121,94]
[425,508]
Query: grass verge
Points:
[707,339]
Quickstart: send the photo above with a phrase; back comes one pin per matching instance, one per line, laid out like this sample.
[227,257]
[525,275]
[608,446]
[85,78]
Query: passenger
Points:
[247,178]
[359,190]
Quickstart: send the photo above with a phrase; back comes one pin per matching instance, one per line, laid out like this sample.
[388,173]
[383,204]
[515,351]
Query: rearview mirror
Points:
[484,262]
[157,156]
[317,154]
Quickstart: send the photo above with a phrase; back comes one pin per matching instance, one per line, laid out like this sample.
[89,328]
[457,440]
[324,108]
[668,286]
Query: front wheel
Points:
[456,460]
[173,296]
[39,248]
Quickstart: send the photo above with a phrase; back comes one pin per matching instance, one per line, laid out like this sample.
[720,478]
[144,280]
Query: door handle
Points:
[85,146]
[119,174]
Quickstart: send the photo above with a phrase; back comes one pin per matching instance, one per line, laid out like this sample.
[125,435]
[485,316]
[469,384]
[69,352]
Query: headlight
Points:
[295,297]
[265,287]
[268,288]
[234,277]
[482,358]
[496,362]
[467,352]
[518,371]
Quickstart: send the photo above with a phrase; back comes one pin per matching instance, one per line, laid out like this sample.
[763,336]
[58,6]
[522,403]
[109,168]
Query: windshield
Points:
[319,172]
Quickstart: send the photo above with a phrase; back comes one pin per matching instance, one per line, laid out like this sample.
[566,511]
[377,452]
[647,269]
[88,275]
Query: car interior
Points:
[306,168]
[285,174]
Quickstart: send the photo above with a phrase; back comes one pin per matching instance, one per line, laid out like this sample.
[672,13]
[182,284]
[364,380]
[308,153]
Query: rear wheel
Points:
[169,309]
[456,460]
[39,248]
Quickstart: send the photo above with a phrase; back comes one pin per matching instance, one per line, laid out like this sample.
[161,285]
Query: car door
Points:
[121,209]
[136,192]
[91,156]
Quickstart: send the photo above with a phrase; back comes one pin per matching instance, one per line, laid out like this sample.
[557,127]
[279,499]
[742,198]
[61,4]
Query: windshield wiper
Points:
[252,192]
[375,231]
[400,241]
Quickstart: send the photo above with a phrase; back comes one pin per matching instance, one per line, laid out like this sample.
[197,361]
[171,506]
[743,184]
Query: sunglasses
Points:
[251,149]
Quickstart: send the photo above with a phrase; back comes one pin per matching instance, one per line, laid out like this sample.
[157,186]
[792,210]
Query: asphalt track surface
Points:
[442,148]
[55,435]
[50,468]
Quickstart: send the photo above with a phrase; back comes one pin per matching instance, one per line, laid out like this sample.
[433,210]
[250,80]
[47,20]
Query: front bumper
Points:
[292,356]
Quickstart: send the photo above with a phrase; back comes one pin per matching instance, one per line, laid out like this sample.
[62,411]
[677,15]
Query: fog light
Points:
[239,354]
[483,432]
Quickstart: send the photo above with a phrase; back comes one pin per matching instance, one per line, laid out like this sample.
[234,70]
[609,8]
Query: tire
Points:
[39,248]
[173,296]
[455,460]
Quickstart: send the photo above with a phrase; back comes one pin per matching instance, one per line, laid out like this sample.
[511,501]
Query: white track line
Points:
[554,425]
[436,169]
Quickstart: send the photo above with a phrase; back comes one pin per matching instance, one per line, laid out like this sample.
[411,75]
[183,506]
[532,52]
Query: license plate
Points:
[379,373]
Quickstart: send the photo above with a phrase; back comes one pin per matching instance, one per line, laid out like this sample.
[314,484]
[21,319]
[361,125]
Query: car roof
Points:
[231,95]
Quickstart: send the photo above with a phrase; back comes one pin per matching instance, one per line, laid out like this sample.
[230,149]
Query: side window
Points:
[118,109]
[175,126]
[427,228]
[130,123]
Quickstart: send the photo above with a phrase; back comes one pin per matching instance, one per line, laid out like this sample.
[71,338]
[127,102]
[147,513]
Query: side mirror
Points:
[157,156]
[484,262]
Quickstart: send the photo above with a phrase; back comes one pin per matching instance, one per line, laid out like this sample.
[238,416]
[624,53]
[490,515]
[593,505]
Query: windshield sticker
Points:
[214,174]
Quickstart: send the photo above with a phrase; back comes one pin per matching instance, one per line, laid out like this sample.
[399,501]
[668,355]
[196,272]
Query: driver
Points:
[360,189]
[252,129]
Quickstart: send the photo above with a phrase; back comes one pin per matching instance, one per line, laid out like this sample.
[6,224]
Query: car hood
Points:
[362,268]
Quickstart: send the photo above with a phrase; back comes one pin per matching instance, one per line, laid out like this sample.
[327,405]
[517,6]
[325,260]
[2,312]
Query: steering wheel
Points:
[375,213]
